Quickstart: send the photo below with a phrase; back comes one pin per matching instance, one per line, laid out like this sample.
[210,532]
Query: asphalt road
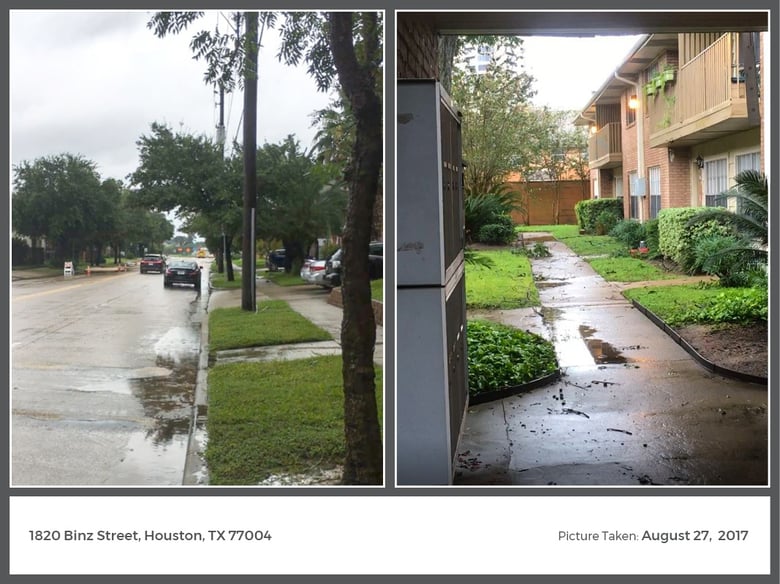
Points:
[103,379]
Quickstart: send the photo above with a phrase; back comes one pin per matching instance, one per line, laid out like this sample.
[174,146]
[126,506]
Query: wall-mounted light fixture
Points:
[670,152]
[593,129]
[633,102]
[699,161]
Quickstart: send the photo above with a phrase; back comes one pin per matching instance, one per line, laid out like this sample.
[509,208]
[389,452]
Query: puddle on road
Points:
[603,352]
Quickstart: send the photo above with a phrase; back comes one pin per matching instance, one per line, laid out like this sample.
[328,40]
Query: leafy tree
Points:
[62,199]
[187,174]
[348,46]
[451,47]
[497,121]
[299,199]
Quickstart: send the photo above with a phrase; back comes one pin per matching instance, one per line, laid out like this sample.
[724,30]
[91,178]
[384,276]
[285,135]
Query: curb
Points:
[709,365]
[489,396]
[195,470]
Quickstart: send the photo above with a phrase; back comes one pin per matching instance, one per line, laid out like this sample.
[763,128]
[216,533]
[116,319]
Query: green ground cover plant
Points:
[274,323]
[501,356]
[557,231]
[703,304]
[507,284]
[277,417]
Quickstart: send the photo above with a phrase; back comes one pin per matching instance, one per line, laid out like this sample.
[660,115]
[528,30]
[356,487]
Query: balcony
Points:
[707,100]
[605,148]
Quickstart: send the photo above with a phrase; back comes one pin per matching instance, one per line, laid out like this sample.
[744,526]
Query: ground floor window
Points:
[716,181]
[636,200]
[654,178]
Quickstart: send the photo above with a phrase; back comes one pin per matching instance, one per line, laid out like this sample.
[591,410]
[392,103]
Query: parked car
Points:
[182,272]
[313,272]
[274,261]
[152,262]
[332,277]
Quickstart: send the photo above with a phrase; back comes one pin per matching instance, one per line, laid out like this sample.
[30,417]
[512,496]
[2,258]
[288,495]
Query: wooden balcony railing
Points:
[703,85]
[605,145]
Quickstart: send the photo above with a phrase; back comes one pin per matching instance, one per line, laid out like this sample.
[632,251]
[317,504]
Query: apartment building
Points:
[677,121]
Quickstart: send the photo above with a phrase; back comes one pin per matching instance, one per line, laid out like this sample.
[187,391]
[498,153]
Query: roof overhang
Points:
[587,22]
[643,53]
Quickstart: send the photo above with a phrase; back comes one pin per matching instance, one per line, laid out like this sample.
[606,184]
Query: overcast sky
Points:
[92,82]
[569,69]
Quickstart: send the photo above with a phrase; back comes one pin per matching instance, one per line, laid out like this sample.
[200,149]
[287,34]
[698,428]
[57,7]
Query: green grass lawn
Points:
[583,245]
[276,417]
[627,269]
[702,303]
[220,281]
[557,231]
[284,279]
[274,323]
[507,284]
[377,290]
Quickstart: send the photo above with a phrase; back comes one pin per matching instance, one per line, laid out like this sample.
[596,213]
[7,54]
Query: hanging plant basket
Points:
[650,89]
[668,74]
[659,81]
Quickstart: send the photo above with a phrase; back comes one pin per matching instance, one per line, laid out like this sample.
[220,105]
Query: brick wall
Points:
[417,49]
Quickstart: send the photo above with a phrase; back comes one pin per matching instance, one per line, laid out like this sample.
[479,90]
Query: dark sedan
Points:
[182,272]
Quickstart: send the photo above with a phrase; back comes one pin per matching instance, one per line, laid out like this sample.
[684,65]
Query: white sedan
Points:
[313,272]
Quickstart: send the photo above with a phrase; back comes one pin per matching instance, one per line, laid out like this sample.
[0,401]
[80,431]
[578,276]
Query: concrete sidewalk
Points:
[632,407]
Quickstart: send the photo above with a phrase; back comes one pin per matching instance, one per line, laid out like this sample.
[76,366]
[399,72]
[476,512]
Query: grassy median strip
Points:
[277,417]
[274,323]
[628,269]
[507,283]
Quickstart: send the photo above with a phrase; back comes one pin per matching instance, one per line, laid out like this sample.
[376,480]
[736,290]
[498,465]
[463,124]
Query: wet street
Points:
[103,379]
[631,407]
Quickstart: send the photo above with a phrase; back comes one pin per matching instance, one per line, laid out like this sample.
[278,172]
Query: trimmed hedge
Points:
[593,214]
[677,240]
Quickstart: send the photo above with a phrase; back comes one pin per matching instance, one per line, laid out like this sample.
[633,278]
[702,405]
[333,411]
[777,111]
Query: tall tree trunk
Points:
[364,458]
[250,165]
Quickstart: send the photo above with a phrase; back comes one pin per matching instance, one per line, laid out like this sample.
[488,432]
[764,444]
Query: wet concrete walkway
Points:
[631,408]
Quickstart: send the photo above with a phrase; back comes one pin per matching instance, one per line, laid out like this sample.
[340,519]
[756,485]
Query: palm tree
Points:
[748,250]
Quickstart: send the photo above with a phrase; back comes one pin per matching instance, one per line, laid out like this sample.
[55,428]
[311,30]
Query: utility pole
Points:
[248,282]
[221,142]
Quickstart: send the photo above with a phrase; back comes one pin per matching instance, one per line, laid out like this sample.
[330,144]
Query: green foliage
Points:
[629,232]
[496,123]
[300,200]
[377,290]
[500,233]
[538,250]
[678,235]
[605,221]
[506,283]
[728,258]
[589,214]
[274,323]
[705,304]
[490,208]
[258,427]
[748,253]
[500,356]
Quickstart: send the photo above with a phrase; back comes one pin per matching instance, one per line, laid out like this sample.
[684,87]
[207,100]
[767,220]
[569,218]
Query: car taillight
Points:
[316,268]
